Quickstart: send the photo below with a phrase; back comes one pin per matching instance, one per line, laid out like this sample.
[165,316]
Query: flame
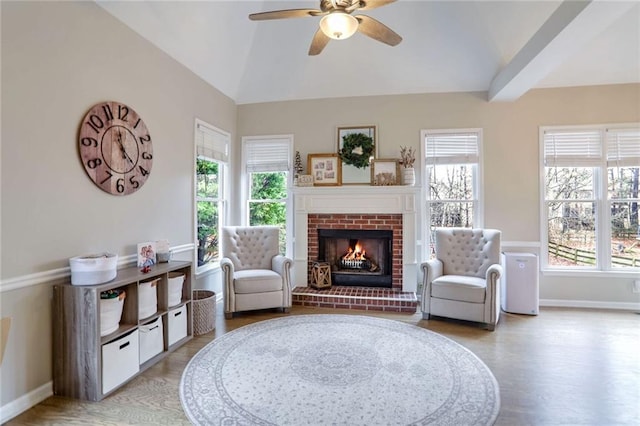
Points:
[355,253]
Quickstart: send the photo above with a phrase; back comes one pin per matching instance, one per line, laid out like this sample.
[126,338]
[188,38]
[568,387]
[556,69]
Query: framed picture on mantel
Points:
[325,169]
[357,146]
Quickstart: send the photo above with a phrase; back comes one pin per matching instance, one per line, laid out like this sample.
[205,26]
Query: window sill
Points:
[591,273]
[207,269]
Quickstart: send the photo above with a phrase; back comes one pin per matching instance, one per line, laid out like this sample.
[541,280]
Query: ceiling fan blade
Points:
[284,14]
[372,4]
[318,43]
[377,30]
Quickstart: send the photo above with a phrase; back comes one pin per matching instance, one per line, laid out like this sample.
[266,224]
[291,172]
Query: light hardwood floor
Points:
[562,367]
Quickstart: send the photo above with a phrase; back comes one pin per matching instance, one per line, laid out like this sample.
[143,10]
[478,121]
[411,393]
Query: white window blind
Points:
[268,155]
[623,147]
[452,148]
[572,148]
[212,143]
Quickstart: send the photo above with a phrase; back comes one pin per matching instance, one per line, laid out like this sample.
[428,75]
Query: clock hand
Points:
[124,151]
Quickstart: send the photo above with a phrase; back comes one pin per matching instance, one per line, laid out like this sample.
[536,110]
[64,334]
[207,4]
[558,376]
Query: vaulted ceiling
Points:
[504,48]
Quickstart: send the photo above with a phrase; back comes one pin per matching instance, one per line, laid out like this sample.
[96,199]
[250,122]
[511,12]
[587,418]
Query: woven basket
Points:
[204,311]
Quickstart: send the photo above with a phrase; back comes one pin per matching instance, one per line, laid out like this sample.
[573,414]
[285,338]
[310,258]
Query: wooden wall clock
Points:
[115,148]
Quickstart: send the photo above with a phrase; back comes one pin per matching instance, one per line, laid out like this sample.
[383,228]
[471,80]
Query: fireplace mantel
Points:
[357,200]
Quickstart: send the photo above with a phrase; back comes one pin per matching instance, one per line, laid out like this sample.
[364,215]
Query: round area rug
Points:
[337,370]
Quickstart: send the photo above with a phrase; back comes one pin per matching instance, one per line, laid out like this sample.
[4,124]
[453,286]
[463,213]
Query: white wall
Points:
[58,59]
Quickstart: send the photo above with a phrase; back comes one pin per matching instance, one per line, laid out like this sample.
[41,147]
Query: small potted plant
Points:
[407,158]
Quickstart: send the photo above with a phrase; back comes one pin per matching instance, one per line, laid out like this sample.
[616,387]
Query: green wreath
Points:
[356,150]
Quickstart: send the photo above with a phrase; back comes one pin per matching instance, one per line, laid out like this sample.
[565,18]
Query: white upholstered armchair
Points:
[463,281]
[255,274]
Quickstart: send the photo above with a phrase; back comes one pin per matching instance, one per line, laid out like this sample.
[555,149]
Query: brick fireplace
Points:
[354,225]
[361,207]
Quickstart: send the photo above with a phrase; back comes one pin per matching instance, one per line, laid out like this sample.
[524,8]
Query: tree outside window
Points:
[623,198]
[591,196]
[452,160]
[451,195]
[209,207]
[267,202]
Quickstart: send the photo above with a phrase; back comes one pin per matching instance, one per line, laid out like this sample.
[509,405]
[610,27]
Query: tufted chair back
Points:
[465,251]
[250,247]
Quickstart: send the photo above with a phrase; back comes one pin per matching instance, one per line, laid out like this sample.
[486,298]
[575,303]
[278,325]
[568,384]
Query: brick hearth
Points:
[361,298]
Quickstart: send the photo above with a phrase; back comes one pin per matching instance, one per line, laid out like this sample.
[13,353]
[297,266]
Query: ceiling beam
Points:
[573,24]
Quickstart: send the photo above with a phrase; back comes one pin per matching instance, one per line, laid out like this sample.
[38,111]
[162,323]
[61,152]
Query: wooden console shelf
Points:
[89,366]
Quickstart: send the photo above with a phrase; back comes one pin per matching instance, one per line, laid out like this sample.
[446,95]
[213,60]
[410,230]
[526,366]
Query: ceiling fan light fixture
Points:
[338,25]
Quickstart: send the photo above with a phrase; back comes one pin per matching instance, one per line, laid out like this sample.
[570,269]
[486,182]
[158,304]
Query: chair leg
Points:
[426,316]
[228,315]
[286,310]
[491,327]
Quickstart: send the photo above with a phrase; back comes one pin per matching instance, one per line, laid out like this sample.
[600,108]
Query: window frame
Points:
[477,178]
[600,198]
[246,184]
[223,191]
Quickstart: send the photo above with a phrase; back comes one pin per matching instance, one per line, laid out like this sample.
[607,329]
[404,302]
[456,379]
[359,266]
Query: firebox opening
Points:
[357,257]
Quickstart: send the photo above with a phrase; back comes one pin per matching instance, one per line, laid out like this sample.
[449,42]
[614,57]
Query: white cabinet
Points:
[88,365]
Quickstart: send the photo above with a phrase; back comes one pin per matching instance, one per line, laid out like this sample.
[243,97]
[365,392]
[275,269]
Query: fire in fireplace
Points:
[357,257]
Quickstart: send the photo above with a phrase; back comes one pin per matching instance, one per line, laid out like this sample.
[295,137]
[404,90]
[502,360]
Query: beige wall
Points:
[510,147]
[58,59]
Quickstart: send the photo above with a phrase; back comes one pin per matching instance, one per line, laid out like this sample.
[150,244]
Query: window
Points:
[212,147]
[267,163]
[453,178]
[590,197]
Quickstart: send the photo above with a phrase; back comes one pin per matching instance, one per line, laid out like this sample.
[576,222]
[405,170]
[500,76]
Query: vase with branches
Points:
[407,158]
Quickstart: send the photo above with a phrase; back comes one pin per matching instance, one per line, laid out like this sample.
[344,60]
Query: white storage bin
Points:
[119,361]
[147,298]
[177,324]
[150,340]
[93,268]
[176,280]
[110,313]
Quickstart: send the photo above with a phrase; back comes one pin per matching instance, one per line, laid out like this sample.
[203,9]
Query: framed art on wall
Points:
[357,146]
[326,169]
[385,172]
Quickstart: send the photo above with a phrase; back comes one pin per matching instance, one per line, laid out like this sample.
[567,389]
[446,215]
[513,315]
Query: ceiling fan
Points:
[337,22]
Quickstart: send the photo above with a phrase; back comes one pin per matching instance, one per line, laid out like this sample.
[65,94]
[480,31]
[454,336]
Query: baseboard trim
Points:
[590,304]
[56,274]
[22,404]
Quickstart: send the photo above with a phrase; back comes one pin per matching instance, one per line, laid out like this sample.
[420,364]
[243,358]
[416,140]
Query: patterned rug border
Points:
[235,413]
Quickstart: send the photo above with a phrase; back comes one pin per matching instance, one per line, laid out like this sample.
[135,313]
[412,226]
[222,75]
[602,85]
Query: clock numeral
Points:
[109,176]
[146,156]
[95,123]
[89,141]
[120,185]
[136,125]
[144,139]
[93,163]
[107,112]
[143,171]
[134,182]
[121,109]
